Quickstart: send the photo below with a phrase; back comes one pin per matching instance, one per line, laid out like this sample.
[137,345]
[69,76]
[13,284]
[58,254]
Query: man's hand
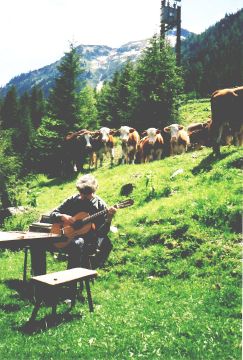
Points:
[111,213]
[67,219]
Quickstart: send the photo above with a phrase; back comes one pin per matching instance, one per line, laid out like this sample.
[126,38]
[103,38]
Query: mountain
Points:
[100,64]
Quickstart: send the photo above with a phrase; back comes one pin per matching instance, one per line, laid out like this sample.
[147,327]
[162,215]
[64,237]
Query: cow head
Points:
[86,136]
[103,133]
[74,135]
[124,133]
[173,129]
[151,133]
[69,136]
[195,127]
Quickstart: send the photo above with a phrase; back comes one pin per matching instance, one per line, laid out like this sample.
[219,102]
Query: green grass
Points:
[195,111]
[171,288]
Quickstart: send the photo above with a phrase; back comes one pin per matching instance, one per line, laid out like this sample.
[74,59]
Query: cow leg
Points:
[78,167]
[159,154]
[91,160]
[101,159]
[78,164]
[240,139]
[112,152]
[181,149]
[236,139]
[216,149]
[172,150]
[216,138]
[128,158]
[132,159]
[123,159]
[151,156]
[96,162]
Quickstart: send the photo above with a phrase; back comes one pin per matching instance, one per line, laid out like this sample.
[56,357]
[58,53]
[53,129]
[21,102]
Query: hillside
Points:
[171,287]
[213,59]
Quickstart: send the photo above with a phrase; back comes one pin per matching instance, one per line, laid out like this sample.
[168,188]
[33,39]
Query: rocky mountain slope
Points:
[100,63]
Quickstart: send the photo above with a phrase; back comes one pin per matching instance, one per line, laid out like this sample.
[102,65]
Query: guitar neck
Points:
[91,217]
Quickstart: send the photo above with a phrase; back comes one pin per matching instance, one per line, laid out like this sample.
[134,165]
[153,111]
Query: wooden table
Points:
[21,239]
[37,241]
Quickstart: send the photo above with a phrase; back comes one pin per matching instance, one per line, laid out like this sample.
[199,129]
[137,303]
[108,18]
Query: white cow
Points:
[103,143]
[129,142]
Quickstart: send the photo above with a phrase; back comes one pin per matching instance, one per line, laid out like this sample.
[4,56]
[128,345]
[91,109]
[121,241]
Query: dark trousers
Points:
[80,249]
[78,254]
[103,251]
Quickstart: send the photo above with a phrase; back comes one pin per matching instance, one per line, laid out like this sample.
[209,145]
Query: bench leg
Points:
[91,307]
[35,311]
[74,292]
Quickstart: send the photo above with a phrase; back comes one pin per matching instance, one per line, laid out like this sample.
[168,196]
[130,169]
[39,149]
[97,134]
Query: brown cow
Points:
[227,111]
[102,143]
[74,152]
[199,134]
[129,142]
[151,146]
[179,140]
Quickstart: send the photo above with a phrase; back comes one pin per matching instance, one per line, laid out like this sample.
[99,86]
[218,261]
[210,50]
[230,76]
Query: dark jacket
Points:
[73,205]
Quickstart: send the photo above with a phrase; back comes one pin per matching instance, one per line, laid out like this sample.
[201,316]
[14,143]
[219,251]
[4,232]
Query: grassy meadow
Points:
[171,288]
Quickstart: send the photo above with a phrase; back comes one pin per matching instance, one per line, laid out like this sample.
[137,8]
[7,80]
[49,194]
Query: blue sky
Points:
[35,33]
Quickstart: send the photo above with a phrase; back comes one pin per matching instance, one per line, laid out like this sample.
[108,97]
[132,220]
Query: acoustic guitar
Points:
[82,224]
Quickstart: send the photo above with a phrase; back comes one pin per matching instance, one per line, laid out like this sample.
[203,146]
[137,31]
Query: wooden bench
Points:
[47,288]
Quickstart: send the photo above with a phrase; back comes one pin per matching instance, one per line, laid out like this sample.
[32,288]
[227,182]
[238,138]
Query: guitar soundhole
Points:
[78,224]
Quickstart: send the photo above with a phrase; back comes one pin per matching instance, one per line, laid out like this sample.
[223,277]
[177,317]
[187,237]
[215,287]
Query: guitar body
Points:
[71,231]
[82,224]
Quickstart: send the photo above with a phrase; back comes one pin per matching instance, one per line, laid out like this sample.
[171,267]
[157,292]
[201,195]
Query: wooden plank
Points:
[10,239]
[66,276]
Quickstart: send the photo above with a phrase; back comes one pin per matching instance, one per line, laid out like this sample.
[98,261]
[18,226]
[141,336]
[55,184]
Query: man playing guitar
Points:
[91,238]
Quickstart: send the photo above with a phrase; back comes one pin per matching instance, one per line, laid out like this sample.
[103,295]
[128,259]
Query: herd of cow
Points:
[224,127]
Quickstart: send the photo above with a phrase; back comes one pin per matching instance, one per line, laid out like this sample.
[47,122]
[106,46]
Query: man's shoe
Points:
[68,302]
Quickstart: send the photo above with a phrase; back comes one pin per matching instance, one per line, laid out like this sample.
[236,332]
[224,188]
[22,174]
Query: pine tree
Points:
[146,94]
[104,105]
[88,109]
[214,59]
[48,144]
[125,94]
[1,105]
[64,100]
[113,103]
[37,106]
[10,169]
[22,136]
[156,86]
[9,111]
